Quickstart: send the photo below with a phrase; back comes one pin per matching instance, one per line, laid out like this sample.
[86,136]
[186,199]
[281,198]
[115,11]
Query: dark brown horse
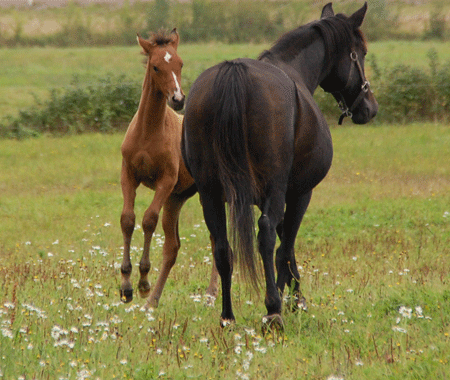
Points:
[151,155]
[253,135]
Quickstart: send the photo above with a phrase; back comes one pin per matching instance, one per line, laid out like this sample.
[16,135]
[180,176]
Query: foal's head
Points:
[164,66]
[347,81]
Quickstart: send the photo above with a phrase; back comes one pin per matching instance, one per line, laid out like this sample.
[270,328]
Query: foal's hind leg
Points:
[171,247]
[212,290]
[285,257]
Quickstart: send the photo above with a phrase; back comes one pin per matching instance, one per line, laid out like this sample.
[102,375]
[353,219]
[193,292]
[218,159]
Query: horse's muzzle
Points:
[365,112]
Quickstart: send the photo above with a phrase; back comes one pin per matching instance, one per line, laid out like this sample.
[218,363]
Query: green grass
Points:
[28,71]
[375,238]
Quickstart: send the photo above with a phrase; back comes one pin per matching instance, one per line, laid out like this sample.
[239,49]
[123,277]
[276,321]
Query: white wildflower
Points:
[7,333]
[405,312]
[419,312]
[399,329]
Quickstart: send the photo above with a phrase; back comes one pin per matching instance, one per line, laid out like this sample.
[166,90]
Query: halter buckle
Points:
[365,86]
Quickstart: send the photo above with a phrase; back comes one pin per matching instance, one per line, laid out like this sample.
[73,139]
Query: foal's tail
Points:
[235,170]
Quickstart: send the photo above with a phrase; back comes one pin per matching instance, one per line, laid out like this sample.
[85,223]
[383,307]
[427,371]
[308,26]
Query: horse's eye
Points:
[156,69]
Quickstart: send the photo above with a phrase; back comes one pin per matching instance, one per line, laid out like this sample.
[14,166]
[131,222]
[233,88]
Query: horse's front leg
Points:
[127,222]
[163,190]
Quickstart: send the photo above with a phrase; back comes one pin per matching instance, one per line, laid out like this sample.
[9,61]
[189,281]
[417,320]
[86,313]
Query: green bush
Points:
[407,94]
[104,106]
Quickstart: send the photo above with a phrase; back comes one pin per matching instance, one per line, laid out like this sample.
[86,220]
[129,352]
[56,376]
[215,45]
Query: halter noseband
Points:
[348,111]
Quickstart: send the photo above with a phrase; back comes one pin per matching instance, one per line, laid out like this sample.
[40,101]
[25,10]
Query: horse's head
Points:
[347,80]
[164,66]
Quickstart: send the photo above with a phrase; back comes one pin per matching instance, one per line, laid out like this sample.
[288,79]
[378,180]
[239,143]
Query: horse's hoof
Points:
[301,304]
[126,295]
[272,322]
[297,303]
[226,322]
[144,288]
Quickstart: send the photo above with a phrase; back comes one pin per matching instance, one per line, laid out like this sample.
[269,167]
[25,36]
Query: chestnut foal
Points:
[151,155]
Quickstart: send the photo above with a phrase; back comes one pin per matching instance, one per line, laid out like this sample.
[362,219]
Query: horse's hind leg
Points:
[127,222]
[171,247]
[285,258]
[266,243]
[215,218]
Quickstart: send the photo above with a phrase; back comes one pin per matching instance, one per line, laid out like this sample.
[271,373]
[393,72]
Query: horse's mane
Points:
[335,31]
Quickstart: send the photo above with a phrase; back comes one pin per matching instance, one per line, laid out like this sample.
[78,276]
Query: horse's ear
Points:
[175,38]
[144,44]
[327,11]
[357,18]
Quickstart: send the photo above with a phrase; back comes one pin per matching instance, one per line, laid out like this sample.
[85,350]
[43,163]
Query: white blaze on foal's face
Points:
[177,95]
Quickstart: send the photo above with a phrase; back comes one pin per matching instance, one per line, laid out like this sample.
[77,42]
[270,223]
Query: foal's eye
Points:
[156,69]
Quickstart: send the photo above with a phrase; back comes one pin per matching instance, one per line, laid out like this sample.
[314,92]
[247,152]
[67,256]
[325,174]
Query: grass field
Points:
[373,252]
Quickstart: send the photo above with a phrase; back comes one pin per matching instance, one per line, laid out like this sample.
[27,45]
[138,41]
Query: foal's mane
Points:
[161,37]
[335,31]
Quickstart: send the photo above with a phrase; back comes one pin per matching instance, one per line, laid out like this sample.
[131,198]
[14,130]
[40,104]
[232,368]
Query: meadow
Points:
[373,252]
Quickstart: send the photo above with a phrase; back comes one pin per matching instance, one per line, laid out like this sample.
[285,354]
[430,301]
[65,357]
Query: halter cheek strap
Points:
[348,111]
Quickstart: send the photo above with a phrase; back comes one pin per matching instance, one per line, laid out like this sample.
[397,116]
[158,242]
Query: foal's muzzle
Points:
[177,103]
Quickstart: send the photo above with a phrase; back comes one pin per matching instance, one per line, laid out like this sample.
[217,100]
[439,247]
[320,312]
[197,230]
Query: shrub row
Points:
[105,105]
[405,94]
[202,20]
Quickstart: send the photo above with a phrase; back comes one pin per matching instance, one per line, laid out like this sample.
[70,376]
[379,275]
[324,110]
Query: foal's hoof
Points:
[272,322]
[126,295]
[210,300]
[152,303]
[144,288]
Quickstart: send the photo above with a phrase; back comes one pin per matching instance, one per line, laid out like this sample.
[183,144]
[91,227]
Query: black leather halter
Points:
[346,110]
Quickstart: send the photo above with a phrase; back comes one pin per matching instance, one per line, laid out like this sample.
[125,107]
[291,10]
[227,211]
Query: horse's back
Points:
[269,112]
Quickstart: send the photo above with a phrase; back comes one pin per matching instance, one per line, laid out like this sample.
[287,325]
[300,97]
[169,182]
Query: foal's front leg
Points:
[127,222]
[163,190]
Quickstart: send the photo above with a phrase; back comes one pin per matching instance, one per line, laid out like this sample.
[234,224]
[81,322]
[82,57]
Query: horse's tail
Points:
[235,170]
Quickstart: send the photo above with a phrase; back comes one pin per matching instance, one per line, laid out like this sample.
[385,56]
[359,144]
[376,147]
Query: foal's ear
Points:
[175,38]
[357,18]
[144,44]
[327,11]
